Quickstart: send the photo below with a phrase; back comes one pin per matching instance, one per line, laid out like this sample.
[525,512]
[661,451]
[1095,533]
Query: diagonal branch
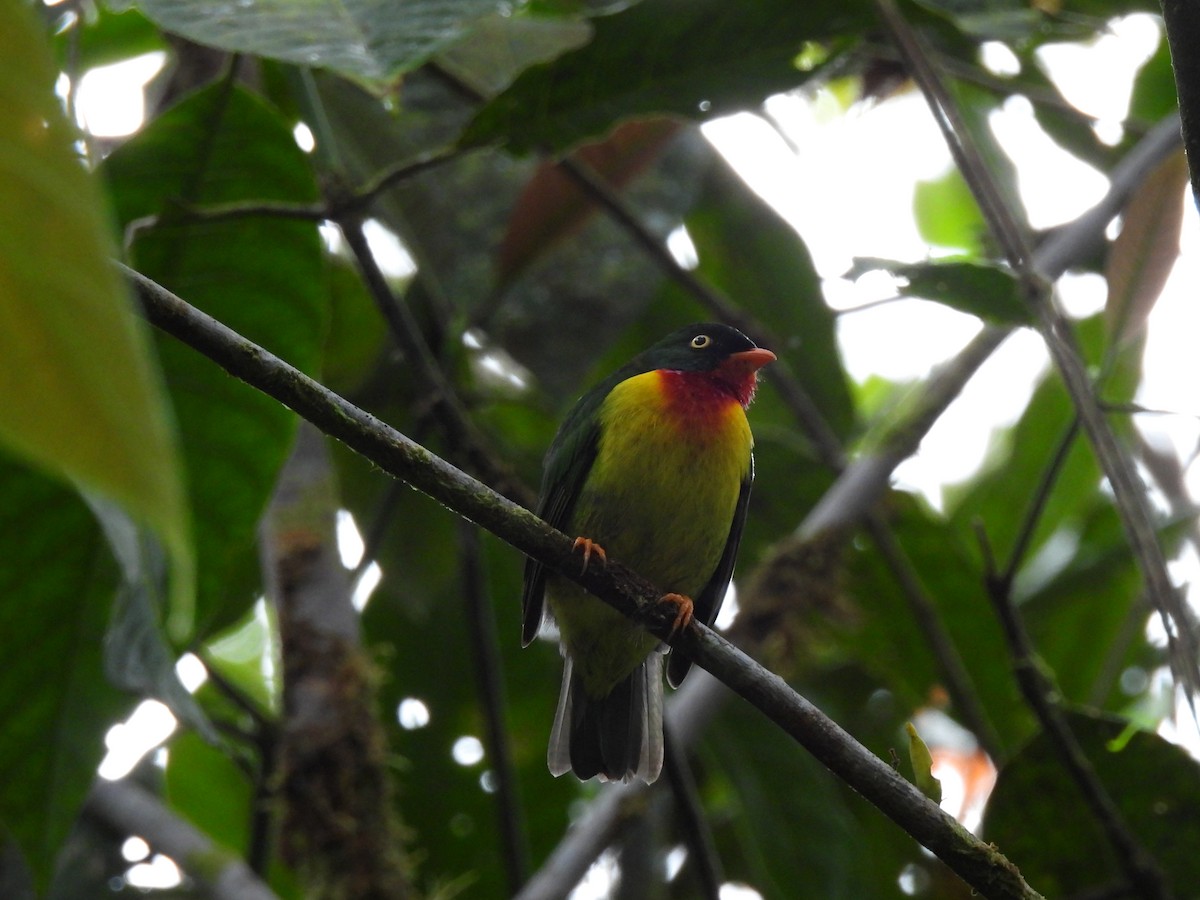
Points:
[128,808]
[858,488]
[980,865]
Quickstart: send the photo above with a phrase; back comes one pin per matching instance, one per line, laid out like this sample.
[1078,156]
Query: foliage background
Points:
[135,474]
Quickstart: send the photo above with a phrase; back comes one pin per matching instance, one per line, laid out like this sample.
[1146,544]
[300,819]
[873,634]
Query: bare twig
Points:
[468,443]
[1040,693]
[489,676]
[130,809]
[978,864]
[702,849]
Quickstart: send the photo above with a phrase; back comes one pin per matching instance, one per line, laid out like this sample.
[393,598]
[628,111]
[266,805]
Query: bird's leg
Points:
[683,612]
[590,547]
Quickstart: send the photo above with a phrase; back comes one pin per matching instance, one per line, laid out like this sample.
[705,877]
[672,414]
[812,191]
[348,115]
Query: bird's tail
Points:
[618,737]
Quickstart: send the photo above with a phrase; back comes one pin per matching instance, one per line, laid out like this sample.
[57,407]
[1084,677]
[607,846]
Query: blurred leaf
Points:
[884,637]
[357,336]
[987,19]
[922,765]
[947,214]
[1144,253]
[689,57]
[1155,785]
[500,46]
[984,289]
[1153,95]
[82,396]
[747,250]
[783,824]
[137,657]
[58,576]
[204,785]
[551,206]
[261,276]
[372,41]
[104,36]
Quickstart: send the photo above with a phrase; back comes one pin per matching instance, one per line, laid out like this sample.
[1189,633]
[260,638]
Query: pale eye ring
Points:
[700,341]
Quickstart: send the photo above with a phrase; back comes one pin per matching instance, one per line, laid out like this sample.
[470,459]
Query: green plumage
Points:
[656,468]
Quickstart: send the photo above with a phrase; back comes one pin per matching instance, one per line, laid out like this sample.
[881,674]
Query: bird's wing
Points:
[568,463]
[708,603]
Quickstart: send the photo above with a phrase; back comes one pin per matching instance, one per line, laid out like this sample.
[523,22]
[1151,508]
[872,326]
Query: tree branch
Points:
[859,487]
[1040,693]
[132,810]
[977,863]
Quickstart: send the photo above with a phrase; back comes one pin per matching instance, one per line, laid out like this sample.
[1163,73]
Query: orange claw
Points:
[589,547]
[683,612]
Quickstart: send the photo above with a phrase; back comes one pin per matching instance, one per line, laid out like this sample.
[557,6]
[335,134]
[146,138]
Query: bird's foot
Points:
[590,548]
[683,612]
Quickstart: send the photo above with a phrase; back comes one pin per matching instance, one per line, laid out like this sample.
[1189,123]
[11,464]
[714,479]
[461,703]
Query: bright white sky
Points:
[848,191]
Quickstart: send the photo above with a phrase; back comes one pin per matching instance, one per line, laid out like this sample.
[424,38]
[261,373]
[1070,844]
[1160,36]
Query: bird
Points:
[652,467]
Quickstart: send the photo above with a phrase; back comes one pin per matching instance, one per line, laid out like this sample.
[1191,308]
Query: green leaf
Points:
[82,396]
[58,576]
[922,765]
[264,277]
[371,41]
[689,57]
[1155,785]
[947,215]
[983,289]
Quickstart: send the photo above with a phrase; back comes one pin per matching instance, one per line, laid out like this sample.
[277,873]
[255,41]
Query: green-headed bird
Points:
[652,467]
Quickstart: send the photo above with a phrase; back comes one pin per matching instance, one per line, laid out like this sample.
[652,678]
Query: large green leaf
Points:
[82,397]
[57,578]
[262,276]
[690,57]
[983,289]
[372,41]
[1154,784]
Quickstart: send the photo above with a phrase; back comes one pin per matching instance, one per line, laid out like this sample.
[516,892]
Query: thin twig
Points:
[702,849]
[977,863]
[1128,490]
[130,809]
[1040,693]
[462,435]
[1037,505]
[352,202]
[489,677]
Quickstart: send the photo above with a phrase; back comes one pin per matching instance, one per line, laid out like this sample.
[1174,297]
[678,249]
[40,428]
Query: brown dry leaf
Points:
[1141,257]
[552,207]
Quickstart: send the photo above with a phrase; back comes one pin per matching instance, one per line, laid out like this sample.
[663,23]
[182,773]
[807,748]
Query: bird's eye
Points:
[700,341]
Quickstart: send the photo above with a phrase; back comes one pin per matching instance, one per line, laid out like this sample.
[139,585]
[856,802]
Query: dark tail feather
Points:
[618,737]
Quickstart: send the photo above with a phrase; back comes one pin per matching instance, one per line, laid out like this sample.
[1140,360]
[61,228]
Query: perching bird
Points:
[652,467]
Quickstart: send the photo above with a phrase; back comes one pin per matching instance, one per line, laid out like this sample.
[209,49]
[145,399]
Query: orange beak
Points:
[747,361]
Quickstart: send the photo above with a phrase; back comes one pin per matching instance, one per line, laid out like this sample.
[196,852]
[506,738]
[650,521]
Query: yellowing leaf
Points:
[82,397]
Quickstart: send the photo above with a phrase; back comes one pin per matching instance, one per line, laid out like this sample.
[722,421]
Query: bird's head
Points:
[727,357]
